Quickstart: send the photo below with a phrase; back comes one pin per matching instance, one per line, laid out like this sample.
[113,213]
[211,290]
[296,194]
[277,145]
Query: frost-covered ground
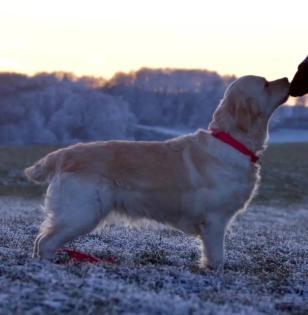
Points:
[156,269]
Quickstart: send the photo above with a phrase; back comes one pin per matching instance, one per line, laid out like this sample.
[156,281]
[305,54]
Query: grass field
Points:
[155,269]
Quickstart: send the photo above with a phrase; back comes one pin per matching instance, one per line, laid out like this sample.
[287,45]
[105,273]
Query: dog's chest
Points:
[229,187]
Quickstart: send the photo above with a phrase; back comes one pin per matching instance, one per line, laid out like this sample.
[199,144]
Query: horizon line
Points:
[80,75]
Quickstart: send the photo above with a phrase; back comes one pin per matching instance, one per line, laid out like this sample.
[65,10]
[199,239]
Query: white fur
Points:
[195,183]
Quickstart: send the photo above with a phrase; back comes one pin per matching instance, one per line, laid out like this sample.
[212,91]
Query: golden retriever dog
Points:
[196,183]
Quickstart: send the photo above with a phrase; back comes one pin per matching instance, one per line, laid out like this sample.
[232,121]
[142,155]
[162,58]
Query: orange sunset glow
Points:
[100,38]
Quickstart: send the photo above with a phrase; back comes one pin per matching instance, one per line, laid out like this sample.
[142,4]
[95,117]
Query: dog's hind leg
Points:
[53,239]
[213,235]
[75,205]
[36,242]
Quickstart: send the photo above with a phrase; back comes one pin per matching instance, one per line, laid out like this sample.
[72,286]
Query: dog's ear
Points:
[244,112]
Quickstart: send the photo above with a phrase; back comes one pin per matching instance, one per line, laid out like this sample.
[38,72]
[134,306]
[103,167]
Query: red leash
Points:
[82,257]
[226,138]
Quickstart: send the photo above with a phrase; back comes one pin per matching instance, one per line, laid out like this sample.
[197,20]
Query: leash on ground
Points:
[81,257]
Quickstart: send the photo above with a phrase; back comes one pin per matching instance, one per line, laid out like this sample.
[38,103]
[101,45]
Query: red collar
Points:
[226,138]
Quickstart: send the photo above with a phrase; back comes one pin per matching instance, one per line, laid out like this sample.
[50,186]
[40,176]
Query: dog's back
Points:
[138,163]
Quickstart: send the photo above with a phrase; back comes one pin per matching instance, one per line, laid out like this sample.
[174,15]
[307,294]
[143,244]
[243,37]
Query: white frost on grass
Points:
[156,269]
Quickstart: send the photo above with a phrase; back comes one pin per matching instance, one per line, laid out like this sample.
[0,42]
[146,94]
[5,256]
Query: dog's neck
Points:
[256,143]
[226,138]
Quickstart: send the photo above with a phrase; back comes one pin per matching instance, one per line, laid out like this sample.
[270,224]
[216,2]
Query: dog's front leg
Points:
[213,235]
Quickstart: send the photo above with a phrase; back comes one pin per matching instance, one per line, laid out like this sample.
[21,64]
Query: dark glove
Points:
[299,84]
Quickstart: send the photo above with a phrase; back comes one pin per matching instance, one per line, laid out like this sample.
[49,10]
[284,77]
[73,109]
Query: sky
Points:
[100,38]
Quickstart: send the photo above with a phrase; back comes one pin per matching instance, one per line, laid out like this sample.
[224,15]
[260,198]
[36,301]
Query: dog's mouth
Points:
[283,85]
[284,98]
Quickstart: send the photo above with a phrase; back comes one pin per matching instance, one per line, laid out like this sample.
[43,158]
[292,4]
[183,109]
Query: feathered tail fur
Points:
[43,170]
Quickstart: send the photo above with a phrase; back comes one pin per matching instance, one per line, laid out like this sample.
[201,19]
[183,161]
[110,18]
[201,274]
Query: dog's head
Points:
[247,106]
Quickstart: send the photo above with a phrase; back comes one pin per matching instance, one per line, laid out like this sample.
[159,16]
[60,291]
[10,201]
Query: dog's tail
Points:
[44,169]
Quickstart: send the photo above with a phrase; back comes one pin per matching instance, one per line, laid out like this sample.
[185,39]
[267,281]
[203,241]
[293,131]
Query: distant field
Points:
[12,162]
[284,172]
